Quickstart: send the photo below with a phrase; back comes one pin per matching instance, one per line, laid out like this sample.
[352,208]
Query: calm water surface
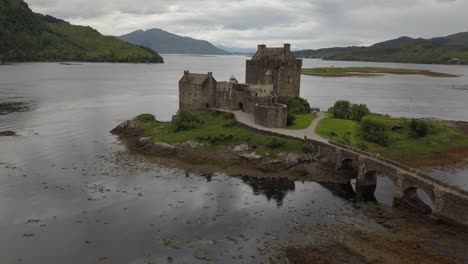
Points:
[71,194]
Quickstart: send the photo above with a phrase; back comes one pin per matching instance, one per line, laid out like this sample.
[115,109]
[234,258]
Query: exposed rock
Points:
[121,127]
[191,144]
[241,148]
[7,133]
[251,156]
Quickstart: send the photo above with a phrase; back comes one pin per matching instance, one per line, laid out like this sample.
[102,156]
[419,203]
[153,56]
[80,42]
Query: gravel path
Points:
[248,119]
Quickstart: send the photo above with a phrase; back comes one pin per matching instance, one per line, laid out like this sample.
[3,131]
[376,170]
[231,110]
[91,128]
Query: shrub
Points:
[374,132]
[310,148]
[186,121]
[290,119]
[274,143]
[145,118]
[363,146]
[231,123]
[419,128]
[296,105]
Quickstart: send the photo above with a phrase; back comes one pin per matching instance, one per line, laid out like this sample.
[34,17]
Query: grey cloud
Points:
[304,23]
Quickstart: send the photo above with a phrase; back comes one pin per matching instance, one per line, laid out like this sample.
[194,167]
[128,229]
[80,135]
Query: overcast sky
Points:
[303,23]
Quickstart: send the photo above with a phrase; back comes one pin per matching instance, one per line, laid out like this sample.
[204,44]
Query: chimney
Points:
[261,47]
[210,74]
[287,47]
[186,72]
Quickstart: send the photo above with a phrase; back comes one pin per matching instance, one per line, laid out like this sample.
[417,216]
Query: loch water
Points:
[70,193]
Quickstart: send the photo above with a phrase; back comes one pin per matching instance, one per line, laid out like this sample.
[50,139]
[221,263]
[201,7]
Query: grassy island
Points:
[369,71]
[215,131]
[399,142]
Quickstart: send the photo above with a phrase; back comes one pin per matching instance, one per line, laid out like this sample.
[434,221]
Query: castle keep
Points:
[271,73]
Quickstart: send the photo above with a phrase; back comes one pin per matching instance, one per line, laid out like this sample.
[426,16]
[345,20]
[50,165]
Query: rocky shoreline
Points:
[239,159]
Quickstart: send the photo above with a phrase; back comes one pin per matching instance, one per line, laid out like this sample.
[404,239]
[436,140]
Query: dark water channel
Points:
[70,193]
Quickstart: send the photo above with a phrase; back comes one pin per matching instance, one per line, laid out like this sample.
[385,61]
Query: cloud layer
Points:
[244,23]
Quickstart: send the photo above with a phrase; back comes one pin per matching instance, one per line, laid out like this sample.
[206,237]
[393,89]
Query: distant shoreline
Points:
[370,72]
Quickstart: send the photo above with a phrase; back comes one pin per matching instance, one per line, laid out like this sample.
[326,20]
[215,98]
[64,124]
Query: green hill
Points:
[26,36]
[452,49]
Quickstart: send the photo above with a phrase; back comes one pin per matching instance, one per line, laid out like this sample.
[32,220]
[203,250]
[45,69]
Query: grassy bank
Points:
[217,132]
[302,121]
[440,138]
[369,71]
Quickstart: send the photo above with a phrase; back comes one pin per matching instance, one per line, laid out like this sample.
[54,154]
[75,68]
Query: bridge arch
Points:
[419,199]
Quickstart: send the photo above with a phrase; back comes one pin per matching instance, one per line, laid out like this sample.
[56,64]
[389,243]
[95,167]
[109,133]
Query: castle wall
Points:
[190,96]
[209,94]
[226,96]
[272,116]
[286,75]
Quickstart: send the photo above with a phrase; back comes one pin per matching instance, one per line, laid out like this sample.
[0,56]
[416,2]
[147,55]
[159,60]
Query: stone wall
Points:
[273,116]
[286,75]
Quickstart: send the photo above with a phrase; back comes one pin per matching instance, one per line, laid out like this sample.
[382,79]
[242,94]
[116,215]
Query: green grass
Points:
[302,121]
[369,71]
[218,132]
[440,139]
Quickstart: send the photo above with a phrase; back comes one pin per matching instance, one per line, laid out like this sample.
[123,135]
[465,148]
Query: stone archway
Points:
[418,199]
[348,168]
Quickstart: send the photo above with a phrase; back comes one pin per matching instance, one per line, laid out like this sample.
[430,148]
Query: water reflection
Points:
[363,193]
[272,188]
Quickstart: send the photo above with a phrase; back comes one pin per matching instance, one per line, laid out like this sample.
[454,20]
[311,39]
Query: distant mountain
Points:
[452,49]
[27,36]
[237,51]
[168,43]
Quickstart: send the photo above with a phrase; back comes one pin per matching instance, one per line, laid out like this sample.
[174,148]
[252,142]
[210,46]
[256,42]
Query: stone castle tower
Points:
[276,65]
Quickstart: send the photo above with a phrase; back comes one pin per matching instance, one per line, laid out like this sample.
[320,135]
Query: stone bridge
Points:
[450,202]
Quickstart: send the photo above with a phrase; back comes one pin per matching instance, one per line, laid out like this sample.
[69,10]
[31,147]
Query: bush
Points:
[274,143]
[296,105]
[363,146]
[145,118]
[231,123]
[186,121]
[310,148]
[419,128]
[290,119]
[374,132]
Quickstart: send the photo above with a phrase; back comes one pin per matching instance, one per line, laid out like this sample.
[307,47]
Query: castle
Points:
[270,74]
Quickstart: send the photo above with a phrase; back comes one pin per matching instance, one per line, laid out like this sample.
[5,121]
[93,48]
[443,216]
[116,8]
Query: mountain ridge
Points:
[450,49]
[165,42]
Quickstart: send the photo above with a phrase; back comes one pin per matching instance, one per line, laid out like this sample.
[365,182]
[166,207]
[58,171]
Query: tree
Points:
[358,111]
[296,105]
[341,109]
